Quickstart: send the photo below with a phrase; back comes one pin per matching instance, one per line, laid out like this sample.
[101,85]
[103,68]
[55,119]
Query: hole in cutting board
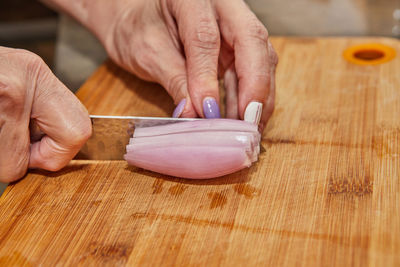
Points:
[369,54]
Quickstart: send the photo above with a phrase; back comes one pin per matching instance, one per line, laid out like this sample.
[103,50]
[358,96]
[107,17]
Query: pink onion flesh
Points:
[196,149]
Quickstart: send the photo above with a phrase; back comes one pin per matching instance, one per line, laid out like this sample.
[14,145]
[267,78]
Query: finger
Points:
[14,120]
[200,36]
[248,37]
[270,103]
[231,92]
[14,157]
[63,119]
[226,58]
[169,68]
[160,60]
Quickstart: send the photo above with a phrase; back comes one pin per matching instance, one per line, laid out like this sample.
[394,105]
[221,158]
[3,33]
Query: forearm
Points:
[95,15]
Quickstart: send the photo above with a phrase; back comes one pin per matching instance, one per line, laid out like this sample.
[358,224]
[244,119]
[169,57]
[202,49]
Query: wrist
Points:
[102,17]
[98,16]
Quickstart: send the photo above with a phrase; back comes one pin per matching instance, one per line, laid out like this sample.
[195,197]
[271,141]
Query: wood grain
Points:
[325,192]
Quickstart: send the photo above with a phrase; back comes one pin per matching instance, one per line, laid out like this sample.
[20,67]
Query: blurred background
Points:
[73,53]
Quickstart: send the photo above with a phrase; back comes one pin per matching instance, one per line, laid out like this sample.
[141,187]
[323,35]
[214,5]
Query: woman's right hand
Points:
[30,91]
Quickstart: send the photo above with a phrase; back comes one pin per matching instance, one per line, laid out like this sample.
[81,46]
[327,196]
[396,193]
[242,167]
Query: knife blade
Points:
[110,134]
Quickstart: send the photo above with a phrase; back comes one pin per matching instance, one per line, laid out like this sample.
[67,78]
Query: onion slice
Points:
[197,149]
[198,126]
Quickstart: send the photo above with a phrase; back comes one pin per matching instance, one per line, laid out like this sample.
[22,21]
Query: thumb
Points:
[174,80]
[170,72]
[63,119]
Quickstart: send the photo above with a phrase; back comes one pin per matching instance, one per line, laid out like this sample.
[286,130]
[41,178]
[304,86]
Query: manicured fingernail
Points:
[179,109]
[253,112]
[210,108]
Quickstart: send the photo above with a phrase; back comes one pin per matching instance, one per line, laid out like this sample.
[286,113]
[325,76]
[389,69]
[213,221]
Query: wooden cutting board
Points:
[325,192]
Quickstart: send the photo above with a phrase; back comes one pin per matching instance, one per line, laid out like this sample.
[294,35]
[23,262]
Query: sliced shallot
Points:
[197,149]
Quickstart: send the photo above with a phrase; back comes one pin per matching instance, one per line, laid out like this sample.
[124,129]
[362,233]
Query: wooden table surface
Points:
[325,192]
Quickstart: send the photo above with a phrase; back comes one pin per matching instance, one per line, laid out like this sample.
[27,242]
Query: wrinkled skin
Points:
[185,45]
[28,90]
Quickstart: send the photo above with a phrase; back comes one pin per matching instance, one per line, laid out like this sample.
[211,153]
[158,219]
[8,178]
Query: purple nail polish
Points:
[210,108]
[179,108]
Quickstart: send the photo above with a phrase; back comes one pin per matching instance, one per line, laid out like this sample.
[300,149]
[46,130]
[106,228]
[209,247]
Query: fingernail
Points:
[210,108]
[253,112]
[179,109]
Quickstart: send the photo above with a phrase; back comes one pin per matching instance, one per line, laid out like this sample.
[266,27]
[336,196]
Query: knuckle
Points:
[12,94]
[21,55]
[257,31]
[80,133]
[14,79]
[203,75]
[272,54]
[256,78]
[143,64]
[37,72]
[175,85]
[32,58]
[20,58]
[144,60]
[86,131]
[32,61]
[206,35]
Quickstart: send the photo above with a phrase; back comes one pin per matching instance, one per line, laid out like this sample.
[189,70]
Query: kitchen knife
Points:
[110,134]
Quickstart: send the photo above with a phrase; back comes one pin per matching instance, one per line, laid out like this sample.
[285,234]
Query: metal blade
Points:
[111,135]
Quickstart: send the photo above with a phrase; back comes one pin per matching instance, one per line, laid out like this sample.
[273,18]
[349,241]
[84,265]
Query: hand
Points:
[185,45]
[29,91]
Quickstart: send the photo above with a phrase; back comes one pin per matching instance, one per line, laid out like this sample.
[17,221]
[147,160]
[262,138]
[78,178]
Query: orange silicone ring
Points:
[369,54]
